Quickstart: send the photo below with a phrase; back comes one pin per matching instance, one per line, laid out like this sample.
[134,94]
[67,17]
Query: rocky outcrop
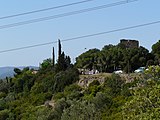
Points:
[85,80]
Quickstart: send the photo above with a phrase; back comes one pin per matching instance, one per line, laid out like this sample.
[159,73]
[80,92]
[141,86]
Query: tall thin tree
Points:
[53,57]
[59,48]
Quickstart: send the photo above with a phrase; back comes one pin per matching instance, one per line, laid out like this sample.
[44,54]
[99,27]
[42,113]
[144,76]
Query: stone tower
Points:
[130,43]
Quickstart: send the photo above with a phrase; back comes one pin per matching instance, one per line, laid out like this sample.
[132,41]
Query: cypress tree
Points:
[59,48]
[53,57]
[63,61]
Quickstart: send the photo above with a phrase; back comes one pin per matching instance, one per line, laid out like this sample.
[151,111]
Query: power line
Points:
[84,36]
[46,9]
[31,46]
[66,14]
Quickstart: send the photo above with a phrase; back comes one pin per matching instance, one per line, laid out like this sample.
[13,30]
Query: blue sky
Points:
[140,12]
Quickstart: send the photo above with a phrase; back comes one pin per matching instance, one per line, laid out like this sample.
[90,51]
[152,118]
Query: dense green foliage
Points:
[114,99]
[53,93]
[28,95]
[112,57]
[156,52]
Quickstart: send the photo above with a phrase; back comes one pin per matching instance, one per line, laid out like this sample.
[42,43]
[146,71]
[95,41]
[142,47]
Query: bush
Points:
[60,106]
[4,114]
[115,84]
[95,82]
[65,78]
[101,100]
[2,95]
[81,111]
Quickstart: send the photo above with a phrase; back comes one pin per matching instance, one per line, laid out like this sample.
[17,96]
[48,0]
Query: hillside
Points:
[9,71]
[6,71]
[59,92]
[55,95]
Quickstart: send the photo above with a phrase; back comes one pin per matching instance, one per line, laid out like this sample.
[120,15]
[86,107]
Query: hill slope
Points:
[9,71]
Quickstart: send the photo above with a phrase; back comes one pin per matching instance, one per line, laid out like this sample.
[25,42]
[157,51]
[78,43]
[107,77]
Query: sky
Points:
[112,18]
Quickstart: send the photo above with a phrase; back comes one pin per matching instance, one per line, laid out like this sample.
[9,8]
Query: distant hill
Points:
[9,71]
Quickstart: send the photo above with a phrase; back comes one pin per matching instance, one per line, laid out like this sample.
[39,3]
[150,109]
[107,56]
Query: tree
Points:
[156,48]
[81,111]
[46,64]
[4,86]
[53,58]
[88,60]
[17,71]
[107,47]
[63,63]
[59,48]
[65,78]
[114,57]
[156,51]
[4,114]
[144,103]
[115,84]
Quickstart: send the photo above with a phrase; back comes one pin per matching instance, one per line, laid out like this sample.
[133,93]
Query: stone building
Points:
[130,43]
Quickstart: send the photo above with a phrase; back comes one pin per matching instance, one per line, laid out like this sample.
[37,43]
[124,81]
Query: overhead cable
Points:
[84,36]
[66,14]
[46,9]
